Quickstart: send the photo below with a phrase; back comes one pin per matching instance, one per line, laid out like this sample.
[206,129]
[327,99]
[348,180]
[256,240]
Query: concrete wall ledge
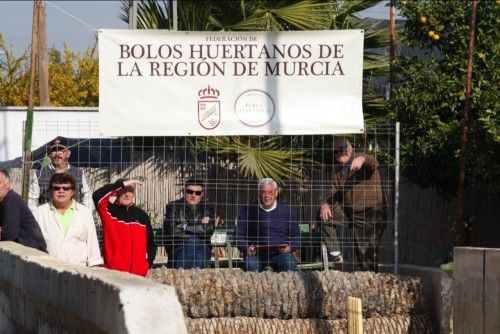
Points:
[41,294]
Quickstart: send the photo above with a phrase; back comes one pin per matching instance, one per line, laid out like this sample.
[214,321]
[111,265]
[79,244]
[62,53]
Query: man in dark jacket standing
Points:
[188,226]
[17,223]
[358,201]
[128,235]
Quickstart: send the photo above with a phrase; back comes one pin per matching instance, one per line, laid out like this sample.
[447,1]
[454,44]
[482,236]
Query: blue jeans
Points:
[279,262]
[193,253]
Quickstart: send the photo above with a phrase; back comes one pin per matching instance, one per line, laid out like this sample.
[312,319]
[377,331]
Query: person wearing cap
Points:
[59,153]
[17,222]
[128,235]
[67,226]
[357,201]
[188,225]
[267,231]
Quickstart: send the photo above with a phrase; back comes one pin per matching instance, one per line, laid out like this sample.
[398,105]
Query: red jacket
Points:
[128,235]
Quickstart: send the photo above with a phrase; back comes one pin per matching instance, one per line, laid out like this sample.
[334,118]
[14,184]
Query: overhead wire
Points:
[72,16]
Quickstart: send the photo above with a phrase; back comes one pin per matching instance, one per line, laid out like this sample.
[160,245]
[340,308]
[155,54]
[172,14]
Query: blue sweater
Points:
[258,227]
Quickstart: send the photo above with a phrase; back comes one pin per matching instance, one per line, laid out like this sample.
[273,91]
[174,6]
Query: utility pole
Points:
[459,219]
[392,47]
[28,127]
[43,61]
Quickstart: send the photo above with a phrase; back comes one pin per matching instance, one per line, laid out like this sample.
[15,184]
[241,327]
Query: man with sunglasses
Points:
[357,201]
[128,235]
[188,226]
[67,226]
[59,154]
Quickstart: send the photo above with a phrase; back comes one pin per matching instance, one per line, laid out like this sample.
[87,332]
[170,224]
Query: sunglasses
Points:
[57,188]
[193,192]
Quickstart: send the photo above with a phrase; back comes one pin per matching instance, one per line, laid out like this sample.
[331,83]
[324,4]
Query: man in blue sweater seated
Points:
[267,231]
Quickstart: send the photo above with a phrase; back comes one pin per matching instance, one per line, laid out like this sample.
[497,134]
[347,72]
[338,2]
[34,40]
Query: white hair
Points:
[267,180]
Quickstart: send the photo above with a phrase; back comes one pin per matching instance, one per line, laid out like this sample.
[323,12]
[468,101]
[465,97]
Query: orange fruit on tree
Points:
[430,34]
[436,37]
[423,19]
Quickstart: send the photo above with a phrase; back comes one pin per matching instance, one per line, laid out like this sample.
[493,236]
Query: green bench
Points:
[312,248]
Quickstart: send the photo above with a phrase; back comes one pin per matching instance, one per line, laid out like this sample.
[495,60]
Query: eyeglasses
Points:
[193,192]
[57,188]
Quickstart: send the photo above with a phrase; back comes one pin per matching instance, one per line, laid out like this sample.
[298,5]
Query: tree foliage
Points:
[73,78]
[14,76]
[430,91]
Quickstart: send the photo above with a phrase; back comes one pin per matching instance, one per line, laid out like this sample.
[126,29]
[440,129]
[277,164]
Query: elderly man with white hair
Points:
[268,231]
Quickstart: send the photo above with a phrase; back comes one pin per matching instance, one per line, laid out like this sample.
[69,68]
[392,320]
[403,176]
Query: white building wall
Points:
[48,122]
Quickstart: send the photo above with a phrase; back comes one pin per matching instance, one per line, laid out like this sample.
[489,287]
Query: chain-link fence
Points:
[230,167]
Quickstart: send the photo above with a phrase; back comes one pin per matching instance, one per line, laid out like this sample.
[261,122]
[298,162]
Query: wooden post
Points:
[354,316]
[459,226]
[43,59]
[28,129]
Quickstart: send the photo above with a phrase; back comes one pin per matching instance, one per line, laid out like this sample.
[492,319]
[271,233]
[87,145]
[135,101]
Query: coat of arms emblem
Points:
[209,108]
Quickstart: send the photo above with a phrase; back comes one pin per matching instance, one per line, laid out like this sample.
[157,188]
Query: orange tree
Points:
[430,91]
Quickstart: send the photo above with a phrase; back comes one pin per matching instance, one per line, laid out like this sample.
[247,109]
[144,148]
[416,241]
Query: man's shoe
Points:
[336,256]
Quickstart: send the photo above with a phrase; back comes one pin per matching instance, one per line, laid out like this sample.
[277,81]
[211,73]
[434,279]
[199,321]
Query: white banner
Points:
[164,83]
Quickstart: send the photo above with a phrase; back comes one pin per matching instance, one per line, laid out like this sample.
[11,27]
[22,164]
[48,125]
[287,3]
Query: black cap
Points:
[60,143]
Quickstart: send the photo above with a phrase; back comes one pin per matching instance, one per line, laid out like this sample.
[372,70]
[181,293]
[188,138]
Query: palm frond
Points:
[304,15]
[352,7]
[258,158]
[375,64]
[376,38]
[194,15]
[151,14]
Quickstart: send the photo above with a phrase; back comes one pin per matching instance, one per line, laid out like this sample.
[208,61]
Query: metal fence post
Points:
[396,201]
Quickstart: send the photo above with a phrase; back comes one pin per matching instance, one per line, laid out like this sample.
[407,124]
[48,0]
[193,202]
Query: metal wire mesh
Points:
[163,164]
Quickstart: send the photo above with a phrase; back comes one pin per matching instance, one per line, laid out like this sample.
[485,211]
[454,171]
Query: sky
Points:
[72,22]
[76,22]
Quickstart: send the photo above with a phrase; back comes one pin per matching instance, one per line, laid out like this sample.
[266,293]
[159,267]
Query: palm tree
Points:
[271,158]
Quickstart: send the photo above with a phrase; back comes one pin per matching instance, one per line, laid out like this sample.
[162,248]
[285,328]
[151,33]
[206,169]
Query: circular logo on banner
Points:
[254,107]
